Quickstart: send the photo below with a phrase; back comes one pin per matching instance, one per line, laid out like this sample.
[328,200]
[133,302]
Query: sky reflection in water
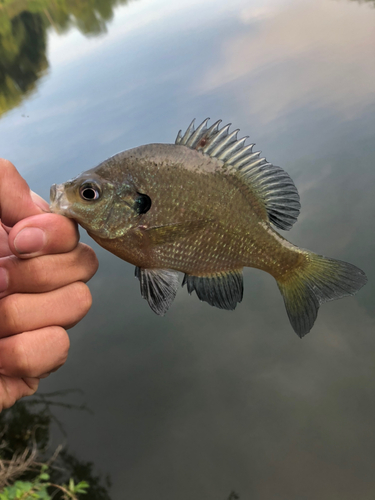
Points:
[204,401]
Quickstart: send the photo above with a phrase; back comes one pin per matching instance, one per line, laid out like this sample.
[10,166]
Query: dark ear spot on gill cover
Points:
[142,203]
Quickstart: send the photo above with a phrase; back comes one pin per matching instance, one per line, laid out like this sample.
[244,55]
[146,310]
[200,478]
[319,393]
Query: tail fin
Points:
[317,281]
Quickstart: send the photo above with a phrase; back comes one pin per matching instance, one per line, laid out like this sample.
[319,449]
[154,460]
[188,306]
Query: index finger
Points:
[16,201]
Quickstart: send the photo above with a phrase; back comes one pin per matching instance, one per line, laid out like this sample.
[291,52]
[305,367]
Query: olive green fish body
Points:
[225,228]
[204,207]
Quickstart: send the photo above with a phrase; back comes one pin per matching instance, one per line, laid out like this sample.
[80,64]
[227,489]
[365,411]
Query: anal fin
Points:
[158,287]
[223,290]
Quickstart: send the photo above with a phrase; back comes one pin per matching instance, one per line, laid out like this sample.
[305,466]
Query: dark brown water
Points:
[202,401]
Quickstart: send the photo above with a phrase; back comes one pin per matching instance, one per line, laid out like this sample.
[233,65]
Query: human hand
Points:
[43,270]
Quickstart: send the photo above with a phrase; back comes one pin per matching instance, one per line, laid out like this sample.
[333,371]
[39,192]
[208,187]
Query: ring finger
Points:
[63,307]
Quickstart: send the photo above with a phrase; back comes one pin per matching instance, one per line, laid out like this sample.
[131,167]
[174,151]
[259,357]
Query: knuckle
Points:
[89,259]
[62,345]
[6,165]
[21,361]
[82,297]
[11,313]
[39,273]
[30,275]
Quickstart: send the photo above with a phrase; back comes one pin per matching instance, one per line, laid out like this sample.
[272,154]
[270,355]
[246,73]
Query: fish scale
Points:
[205,207]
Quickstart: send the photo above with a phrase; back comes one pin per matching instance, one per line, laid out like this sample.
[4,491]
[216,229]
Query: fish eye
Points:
[142,204]
[89,191]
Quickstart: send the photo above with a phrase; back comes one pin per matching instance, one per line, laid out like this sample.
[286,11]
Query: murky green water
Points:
[203,402]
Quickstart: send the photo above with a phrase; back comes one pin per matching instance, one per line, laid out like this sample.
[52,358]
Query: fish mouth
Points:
[52,193]
[58,201]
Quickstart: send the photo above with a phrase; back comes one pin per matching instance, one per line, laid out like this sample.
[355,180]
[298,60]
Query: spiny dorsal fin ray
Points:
[223,290]
[195,136]
[158,287]
[272,184]
[232,148]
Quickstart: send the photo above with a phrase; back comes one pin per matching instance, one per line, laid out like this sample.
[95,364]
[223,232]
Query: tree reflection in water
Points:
[26,434]
[23,38]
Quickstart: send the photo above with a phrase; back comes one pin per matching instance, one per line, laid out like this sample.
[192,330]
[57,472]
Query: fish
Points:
[206,206]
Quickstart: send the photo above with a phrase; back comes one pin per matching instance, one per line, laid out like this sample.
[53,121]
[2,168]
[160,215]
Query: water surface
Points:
[203,402]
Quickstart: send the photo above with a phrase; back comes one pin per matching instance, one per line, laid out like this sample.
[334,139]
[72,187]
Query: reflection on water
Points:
[25,443]
[203,402]
[332,74]
[22,56]
[23,27]
[370,2]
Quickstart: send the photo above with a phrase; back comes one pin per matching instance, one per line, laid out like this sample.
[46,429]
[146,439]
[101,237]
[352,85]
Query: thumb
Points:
[16,199]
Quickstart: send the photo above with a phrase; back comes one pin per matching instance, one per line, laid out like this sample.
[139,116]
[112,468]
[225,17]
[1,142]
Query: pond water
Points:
[203,402]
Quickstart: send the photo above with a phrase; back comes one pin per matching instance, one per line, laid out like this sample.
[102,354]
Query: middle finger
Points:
[48,272]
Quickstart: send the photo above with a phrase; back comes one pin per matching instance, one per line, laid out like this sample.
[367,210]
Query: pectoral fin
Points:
[223,290]
[158,287]
[160,235]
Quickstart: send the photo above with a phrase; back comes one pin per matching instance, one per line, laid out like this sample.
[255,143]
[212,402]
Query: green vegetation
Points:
[22,57]
[23,38]
[27,470]
[38,488]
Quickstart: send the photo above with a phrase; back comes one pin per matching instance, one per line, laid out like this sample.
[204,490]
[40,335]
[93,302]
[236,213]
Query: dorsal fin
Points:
[272,184]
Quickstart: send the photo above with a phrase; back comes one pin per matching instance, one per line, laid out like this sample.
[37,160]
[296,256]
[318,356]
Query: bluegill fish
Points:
[204,207]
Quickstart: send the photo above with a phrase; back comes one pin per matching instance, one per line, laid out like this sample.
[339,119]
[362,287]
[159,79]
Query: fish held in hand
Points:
[204,207]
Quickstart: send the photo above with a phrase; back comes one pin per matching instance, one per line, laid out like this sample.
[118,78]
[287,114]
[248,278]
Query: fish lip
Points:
[58,201]
[52,193]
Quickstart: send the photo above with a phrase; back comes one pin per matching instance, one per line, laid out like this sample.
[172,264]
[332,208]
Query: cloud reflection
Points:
[304,54]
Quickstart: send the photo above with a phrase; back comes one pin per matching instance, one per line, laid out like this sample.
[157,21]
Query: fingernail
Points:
[38,200]
[3,279]
[30,240]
